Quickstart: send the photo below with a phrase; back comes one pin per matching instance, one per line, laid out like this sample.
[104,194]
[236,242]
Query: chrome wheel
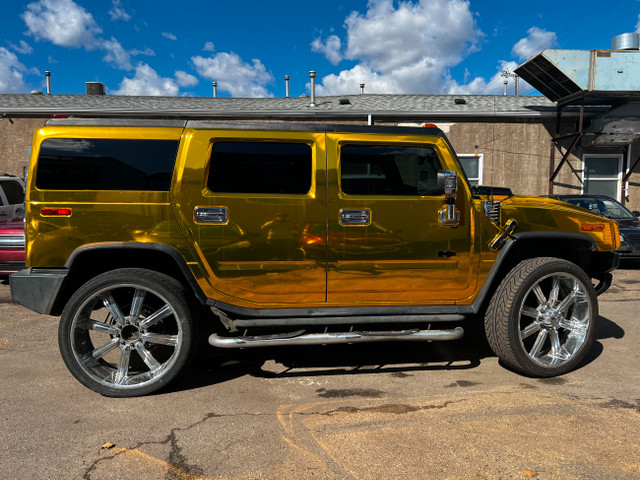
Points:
[554,319]
[124,336]
[542,318]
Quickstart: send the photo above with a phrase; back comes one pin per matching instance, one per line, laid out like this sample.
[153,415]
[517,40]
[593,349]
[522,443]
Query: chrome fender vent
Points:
[492,210]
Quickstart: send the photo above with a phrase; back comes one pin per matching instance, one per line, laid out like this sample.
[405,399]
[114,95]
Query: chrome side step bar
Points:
[300,338]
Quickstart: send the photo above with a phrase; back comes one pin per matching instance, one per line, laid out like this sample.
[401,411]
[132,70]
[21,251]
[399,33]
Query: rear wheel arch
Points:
[90,261]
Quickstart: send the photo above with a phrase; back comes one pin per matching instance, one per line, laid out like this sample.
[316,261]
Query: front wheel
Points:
[542,318]
[127,332]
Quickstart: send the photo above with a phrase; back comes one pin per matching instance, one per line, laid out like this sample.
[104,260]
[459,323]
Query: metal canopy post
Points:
[553,172]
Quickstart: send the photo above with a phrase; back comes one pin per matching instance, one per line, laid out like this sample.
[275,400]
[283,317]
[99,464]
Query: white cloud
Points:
[118,13]
[63,23]
[117,55]
[185,79]
[11,80]
[147,51]
[330,48]
[146,81]
[495,86]
[209,47]
[233,75]
[23,48]
[170,36]
[67,24]
[408,49]
[537,39]
[348,82]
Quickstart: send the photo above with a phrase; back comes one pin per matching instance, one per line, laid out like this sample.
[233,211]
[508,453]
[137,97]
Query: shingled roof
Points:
[382,107]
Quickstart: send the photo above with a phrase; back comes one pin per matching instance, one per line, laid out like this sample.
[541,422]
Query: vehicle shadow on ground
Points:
[398,358]
[606,329]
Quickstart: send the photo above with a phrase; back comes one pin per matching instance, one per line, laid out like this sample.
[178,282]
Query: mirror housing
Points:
[448,185]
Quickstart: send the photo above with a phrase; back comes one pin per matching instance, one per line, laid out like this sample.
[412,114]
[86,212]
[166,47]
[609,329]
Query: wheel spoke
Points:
[137,302]
[147,358]
[123,365]
[102,327]
[113,308]
[574,327]
[568,300]
[540,295]
[530,312]
[556,348]
[160,339]
[530,330]
[555,291]
[154,318]
[106,348]
[537,346]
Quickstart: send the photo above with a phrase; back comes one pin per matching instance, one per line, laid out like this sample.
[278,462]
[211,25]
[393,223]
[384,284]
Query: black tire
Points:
[127,332]
[542,319]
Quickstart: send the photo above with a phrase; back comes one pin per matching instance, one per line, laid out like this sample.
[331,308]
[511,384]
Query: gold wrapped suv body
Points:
[143,234]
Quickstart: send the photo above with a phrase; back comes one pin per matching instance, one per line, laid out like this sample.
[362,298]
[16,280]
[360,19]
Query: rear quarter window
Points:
[105,164]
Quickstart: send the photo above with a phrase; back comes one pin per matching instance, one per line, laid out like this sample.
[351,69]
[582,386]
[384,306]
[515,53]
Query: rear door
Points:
[262,195]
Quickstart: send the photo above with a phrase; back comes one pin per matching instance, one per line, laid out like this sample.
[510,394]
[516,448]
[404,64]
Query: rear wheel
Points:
[542,318]
[127,332]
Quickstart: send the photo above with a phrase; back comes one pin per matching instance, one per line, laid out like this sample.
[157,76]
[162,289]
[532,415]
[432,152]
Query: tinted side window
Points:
[105,164]
[388,170]
[260,167]
[13,191]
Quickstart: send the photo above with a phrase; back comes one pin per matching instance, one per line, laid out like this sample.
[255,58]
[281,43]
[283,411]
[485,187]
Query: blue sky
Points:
[160,47]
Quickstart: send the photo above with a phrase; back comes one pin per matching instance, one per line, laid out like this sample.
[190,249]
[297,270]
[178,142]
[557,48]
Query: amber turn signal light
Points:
[592,227]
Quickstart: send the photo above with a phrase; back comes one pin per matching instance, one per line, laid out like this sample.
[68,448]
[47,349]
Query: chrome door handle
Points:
[351,216]
[217,215]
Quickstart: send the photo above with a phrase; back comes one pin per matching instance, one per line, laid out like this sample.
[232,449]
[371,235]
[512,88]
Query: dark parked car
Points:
[607,206]
[11,247]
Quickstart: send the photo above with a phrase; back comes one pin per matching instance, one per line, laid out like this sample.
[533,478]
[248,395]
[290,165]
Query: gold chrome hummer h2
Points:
[141,233]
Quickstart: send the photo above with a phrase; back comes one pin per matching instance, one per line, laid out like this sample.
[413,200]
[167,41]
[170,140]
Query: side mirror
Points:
[447,183]
[449,214]
[636,213]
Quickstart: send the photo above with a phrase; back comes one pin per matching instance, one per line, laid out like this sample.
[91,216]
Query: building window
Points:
[602,174]
[472,164]
[388,170]
[260,167]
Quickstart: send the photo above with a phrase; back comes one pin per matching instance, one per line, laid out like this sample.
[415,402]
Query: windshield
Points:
[602,206]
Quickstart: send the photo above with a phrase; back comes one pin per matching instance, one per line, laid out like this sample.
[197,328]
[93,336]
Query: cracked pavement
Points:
[436,410]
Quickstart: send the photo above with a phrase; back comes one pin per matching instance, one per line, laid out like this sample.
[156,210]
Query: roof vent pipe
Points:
[312,75]
[626,41]
[362,89]
[286,84]
[215,89]
[48,75]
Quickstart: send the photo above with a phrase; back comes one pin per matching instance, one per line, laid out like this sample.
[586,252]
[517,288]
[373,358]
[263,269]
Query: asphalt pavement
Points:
[442,410]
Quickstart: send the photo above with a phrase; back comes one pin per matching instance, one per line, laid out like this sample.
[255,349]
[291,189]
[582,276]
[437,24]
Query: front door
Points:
[248,216]
[386,245]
